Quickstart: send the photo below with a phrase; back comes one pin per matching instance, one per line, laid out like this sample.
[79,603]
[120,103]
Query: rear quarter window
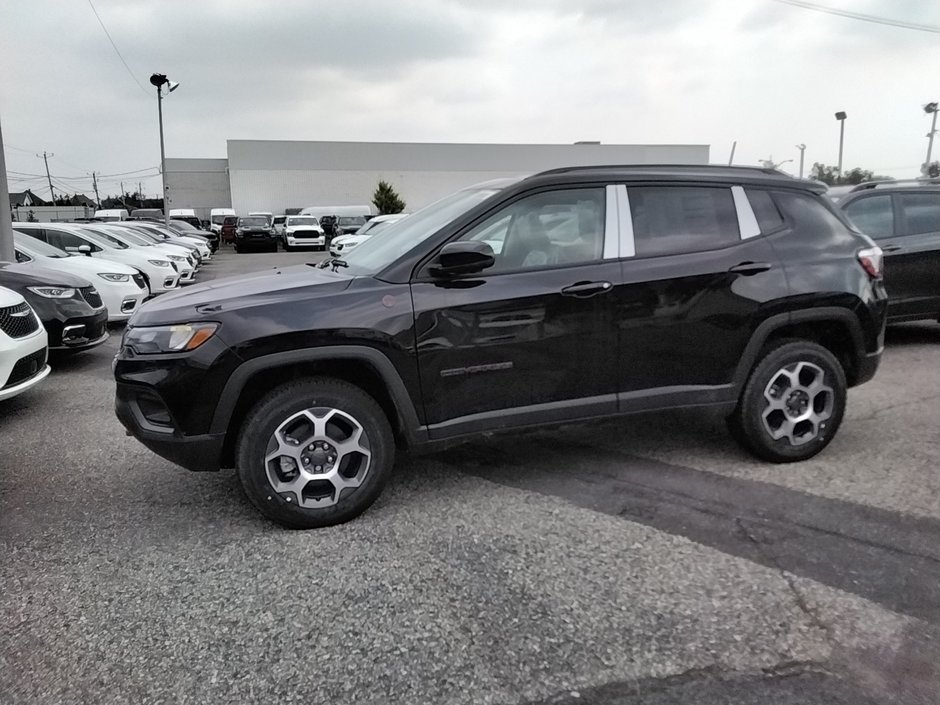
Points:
[765,210]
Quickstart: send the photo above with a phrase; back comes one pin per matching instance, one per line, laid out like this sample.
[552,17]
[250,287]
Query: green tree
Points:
[830,175]
[386,200]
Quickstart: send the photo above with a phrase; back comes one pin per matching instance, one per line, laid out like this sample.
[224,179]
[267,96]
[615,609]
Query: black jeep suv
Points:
[903,217]
[574,293]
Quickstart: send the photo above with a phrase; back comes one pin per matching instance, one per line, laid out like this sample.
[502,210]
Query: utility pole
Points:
[140,195]
[6,226]
[930,108]
[94,181]
[45,158]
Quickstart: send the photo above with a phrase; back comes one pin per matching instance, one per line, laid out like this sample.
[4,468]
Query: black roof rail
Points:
[716,168]
[923,181]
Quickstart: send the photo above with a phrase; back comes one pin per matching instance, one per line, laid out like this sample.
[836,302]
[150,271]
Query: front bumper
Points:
[298,240]
[77,334]
[197,453]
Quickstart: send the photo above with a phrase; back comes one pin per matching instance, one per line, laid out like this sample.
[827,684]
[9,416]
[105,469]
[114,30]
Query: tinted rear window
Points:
[872,215]
[921,212]
[675,219]
[765,210]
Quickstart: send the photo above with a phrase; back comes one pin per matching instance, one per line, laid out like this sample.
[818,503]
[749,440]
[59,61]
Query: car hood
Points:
[84,266]
[16,276]
[212,299]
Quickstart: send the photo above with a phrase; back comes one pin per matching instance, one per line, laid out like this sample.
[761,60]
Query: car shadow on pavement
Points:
[920,333]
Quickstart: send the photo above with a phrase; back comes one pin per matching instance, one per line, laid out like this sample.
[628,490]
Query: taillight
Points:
[871,258]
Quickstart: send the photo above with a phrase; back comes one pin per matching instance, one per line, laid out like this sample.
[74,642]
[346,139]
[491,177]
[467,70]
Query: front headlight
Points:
[159,262]
[52,292]
[177,258]
[115,277]
[167,339]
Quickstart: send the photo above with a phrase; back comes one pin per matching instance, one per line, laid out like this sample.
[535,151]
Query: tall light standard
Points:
[930,108]
[840,116]
[159,80]
[802,148]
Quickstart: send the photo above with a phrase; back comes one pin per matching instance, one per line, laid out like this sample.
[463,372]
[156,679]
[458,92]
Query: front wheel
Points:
[792,403]
[315,453]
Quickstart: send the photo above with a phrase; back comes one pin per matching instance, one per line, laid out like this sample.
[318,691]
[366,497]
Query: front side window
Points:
[873,215]
[556,228]
[921,212]
[675,219]
[62,239]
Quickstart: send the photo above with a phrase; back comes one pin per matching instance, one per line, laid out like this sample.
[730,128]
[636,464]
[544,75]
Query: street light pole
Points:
[159,80]
[166,210]
[840,116]
[802,148]
[930,108]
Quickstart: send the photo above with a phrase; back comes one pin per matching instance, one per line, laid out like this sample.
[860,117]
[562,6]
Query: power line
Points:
[859,16]
[116,51]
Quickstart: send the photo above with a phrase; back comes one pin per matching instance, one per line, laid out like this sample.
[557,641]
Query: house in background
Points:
[26,198]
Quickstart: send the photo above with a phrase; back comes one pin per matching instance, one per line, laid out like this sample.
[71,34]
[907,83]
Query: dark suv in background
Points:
[567,295]
[903,217]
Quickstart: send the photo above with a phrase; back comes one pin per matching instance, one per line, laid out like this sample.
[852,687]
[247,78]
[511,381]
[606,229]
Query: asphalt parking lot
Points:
[638,560]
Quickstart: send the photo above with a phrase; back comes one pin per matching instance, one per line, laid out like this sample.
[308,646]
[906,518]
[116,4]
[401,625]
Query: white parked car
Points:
[181,257]
[23,346]
[302,231]
[344,243]
[78,238]
[169,235]
[122,288]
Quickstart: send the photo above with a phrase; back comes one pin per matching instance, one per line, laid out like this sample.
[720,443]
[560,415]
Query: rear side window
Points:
[921,212]
[872,215]
[62,239]
[674,219]
[807,213]
[765,210]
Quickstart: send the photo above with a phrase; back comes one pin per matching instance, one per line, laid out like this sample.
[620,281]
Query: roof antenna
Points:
[731,157]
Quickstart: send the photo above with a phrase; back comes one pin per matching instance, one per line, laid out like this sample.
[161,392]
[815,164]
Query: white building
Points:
[276,176]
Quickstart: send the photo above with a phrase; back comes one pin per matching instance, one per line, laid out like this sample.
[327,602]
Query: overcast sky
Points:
[764,73]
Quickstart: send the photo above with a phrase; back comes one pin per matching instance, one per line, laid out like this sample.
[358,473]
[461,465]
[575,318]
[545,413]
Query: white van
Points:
[217,217]
[352,211]
[112,214]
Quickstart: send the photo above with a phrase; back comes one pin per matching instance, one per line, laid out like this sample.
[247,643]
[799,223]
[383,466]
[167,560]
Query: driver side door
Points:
[531,339]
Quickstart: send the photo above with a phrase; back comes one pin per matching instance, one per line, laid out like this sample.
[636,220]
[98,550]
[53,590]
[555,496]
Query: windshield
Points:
[347,220]
[303,220]
[403,235]
[35,246]
[253,221]
[103,239]
[180,225]
[132,237]
[219,219]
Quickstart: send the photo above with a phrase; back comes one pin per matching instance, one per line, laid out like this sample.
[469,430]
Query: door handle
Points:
[583,290]
[891,248]
[750,268]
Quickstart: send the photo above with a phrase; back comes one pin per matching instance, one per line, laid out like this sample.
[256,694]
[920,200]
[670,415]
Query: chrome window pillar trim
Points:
[625,218]
[611,224]
[747,222]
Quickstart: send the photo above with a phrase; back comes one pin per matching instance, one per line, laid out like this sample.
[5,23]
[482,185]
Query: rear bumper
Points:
[867,366]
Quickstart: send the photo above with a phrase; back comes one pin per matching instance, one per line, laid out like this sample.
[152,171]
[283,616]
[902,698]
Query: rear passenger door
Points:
[695,278]
[918,216]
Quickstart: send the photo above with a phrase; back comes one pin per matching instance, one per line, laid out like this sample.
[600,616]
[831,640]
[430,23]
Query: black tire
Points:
[279,405]
[747,424]
[235,245]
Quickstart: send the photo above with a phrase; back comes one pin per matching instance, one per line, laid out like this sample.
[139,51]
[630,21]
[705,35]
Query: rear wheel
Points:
[792,404]
[314,453]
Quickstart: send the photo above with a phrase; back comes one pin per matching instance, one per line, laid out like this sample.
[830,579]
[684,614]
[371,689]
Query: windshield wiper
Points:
[335,261]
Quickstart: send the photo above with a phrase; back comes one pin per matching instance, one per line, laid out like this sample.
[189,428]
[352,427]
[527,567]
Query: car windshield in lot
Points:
[403,235]
[104,239]
[302,220]
[37,246]
[347,221]
[253,221]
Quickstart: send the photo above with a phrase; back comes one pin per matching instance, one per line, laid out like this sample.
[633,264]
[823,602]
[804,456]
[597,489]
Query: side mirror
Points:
[465,257]
[85,250]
